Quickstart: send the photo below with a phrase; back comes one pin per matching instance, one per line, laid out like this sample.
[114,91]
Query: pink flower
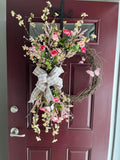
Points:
[33,47]
[91,73]
[97,72]
[59,50]
[65,116]
[54,119]
[37,102]
[55,36]
[30,48]
[60,118]
[53,53]
[73,33]
[42,109]
[56,99]
[82,44]
[48,109]
[42,47]
[67,32]
[83,50]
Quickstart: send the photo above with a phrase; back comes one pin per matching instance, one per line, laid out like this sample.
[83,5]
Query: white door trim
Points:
[114,141]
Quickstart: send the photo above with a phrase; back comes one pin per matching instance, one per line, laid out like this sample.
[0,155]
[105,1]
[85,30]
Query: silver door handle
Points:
[14,132]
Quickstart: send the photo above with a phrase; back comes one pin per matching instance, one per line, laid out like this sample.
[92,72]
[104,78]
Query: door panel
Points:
[86,136]
[38,153]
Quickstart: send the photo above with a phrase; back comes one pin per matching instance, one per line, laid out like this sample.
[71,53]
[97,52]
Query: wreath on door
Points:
[48,52]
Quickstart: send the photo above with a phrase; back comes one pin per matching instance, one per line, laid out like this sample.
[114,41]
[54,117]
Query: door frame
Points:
[114,142]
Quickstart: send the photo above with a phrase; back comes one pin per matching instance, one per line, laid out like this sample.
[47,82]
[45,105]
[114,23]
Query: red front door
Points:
[87,135]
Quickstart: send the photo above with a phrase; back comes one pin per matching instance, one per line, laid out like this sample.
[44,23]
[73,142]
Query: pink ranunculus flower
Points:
[65,116]
[43,109]
[53,52]
[42,48]
[54,119]
[83,50]
[67,32]
[55,36]
[56,99]
[82,44]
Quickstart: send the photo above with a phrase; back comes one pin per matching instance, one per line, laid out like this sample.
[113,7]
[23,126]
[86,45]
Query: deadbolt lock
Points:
[14,109]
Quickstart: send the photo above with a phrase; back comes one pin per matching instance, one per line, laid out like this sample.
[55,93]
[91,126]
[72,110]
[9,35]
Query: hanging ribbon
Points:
[45,81]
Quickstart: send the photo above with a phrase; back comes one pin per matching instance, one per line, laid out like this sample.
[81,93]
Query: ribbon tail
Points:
[59,84]
[34,95]
[48,95]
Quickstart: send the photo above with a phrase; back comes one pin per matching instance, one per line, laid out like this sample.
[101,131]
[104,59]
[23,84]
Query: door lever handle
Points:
[14,132]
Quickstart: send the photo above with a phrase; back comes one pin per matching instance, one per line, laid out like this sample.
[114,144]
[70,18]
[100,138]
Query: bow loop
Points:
[45,81]
[41,86]
[37,71]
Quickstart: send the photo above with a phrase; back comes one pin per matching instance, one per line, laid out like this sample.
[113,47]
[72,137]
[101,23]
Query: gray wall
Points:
[3,84]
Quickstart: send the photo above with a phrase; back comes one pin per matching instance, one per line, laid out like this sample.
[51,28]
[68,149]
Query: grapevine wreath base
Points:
[94,61]
[48,52]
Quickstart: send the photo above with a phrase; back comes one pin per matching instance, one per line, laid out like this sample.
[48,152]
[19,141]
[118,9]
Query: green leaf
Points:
[62,42]
[43,54]
[56,93]
[55,62]
[49,67]
[47,63]
[59,107]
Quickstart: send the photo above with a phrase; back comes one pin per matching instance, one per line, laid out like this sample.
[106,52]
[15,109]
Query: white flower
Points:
[19,17]
[55,140]
[25,47]
[93,36]
[33,24]
[38,138]
[49,4]
[46,11]
[56,14]
[79,23]
[84,15]
[21,23]
[31,39]
[12,13]
[44,17]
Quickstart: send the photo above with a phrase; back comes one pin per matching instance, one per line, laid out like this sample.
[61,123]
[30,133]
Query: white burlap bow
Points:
[45,81]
